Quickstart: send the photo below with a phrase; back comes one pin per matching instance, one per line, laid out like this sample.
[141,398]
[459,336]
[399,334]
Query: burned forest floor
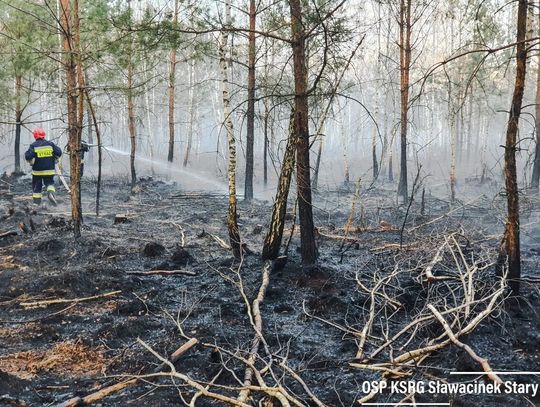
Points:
[153,272]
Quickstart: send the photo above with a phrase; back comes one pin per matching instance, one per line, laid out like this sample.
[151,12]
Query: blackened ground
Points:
[163,227]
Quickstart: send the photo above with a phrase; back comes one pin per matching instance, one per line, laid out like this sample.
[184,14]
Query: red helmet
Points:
[38,133]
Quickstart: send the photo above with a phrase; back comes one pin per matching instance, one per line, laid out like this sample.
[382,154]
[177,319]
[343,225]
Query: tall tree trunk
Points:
[535,179]
[131,123]
[384,150]
[510,244]
[344,146]
[308,247]
[131,107]
[191,112]
[71,58]
[171,89]
[18,123]
[232,224]
[266,141]
[453,156]
[469,125]
[315,182]
[272,241]
[266,103]
[89,123]
[98,137]
[250,138]
[81,86]
[374,161]
[405,65]
[149,108]
[387,144]
[391,158]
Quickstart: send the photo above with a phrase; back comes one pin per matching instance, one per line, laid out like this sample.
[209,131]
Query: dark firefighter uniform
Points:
[85,147]
[42,155]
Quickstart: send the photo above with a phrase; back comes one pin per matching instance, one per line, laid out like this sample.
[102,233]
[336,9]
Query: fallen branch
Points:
[436,259]
[162,273]
[207,387]
[46,303]
[394,246]
[98,395]
[182,234]
[483,362]
[106,391]
[25,321]
[8,233]
[257,324]
[338,237]
[378,368]
[218,239]
[178,353]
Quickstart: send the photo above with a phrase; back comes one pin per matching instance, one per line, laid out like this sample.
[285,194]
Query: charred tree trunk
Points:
[272,241]
[232,224]
[510,244]
[308,247]
[89,123]
[69,24]
[250,138]
[98,137]
[315,182]
[375,163]
[172,85]
[405,65]
[18,123]
[535,179]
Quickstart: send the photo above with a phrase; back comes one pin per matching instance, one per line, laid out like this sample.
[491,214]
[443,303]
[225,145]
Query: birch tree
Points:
[232,224]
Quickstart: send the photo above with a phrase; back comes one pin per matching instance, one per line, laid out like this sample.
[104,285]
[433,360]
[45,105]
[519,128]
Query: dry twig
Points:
[46,303]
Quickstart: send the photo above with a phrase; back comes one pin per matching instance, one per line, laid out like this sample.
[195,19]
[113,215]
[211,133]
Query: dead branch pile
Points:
[449,291]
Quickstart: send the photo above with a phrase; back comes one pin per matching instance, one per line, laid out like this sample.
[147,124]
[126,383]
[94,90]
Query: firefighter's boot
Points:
[37,199]
[50,194]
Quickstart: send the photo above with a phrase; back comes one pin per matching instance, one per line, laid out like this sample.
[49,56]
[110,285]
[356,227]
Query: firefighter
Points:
[85,147]
[42,156]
